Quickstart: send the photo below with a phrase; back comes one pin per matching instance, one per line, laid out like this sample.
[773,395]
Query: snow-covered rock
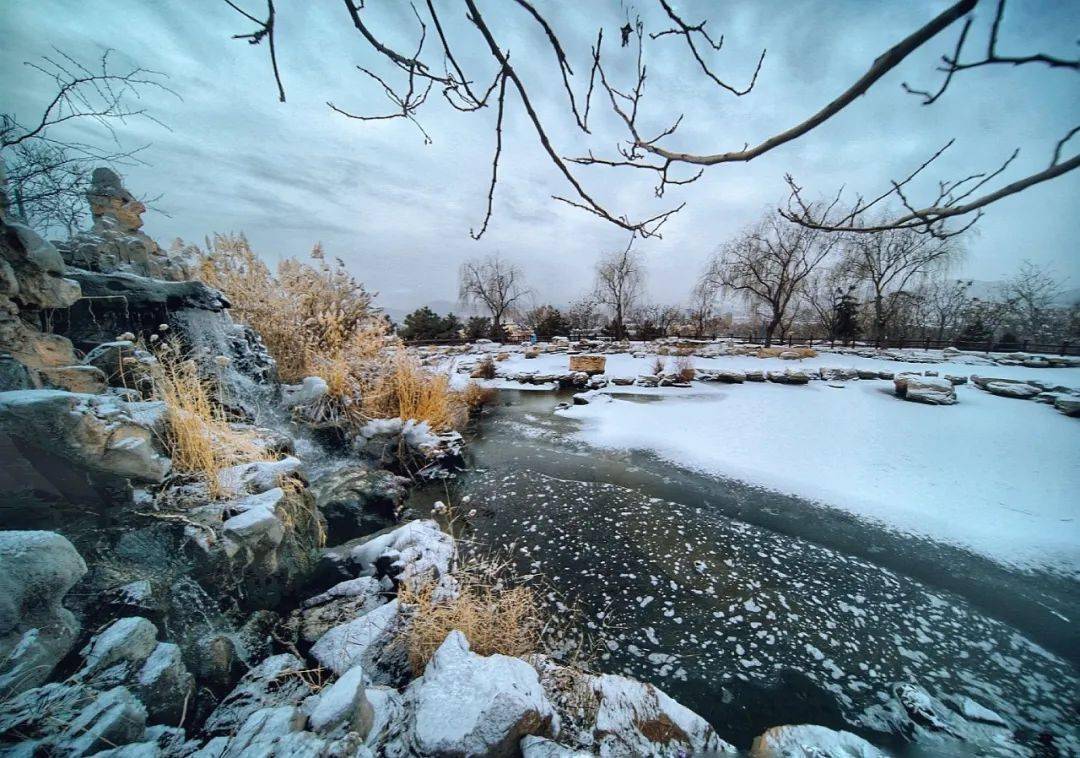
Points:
[925,389]
[340,604]
[1017,390]
[1070,406]
[368,641]
[810,741]
[634,718]
[92,432]
[311,389]
[415,553]
[343,704]
[258,476]
[274,682]
[471,705]
[128,640]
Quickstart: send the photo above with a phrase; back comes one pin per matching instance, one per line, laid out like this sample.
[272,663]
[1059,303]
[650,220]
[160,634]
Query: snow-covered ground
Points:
[996,475]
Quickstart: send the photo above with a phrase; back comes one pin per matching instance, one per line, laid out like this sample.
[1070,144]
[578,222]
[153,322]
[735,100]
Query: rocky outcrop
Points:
[116,242]
[589,364]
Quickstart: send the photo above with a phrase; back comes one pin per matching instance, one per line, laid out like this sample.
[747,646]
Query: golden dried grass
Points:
[684,368]
[476,396]
[496,617]
[199,438]
[774,352]
[317,320]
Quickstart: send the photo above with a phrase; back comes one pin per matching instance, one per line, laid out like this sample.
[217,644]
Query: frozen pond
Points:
[755,609]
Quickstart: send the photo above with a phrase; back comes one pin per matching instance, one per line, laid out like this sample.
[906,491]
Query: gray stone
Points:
[495,701]
[94,432]
[164,684]
[128,640]
[343,704]
[258,476]
[116,717]
[36,571]
[368,641]
[1016,390]
[928,390]
[357,500]
[340,604]
[1070,406]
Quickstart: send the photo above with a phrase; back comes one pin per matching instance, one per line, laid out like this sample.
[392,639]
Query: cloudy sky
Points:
[398,211]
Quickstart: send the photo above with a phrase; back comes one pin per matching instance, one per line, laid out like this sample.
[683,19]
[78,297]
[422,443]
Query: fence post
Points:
[811,340]
[990,344]
[1065,347]
[1024,347]
[790,340]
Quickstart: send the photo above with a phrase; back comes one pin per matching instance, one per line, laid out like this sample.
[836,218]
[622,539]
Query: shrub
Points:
[495,615]
[684,368]
[476,396]
[658,366]
[773,352]
[485,368]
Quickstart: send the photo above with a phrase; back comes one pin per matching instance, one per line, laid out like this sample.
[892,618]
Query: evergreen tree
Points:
[426,324]
[847,317]
[478,327]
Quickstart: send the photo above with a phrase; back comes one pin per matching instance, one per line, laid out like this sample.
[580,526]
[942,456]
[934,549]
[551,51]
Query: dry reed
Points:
[494,616]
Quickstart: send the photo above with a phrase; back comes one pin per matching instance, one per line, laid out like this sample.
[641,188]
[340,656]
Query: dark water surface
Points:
[756,609]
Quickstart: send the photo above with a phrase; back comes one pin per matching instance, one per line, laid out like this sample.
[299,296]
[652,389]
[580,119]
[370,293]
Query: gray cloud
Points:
[399,211]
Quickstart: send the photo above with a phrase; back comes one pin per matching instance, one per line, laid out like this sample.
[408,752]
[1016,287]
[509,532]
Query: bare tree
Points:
[768,264]
[944,302]
[889,263]
[1028,299]
[582,315]
[492,283]
[440,67]
[702,305]
[619,282]
[47,173]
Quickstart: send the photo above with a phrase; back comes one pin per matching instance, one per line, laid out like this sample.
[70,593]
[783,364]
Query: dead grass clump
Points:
[658,366]
[407,390]
[484,369]
[774,352]
[684,368]
[199,438]
[496,617]
[476,396]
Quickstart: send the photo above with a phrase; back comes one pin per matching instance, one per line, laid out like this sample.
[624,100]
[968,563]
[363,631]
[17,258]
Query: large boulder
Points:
[36,571]
[495,701]
[810,741]
[589,364]
[925,389]
[59,442]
